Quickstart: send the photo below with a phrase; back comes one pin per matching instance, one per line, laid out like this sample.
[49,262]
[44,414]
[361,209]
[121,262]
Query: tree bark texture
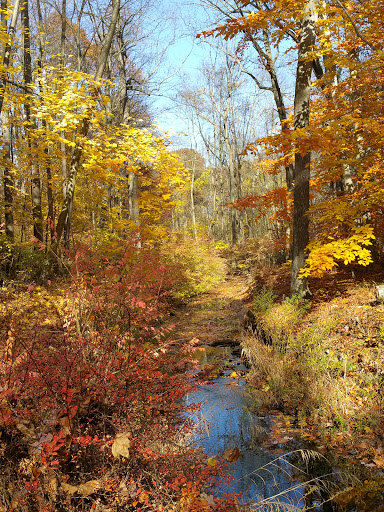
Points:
[8,48]
[37,213]
[6,134]
[192,196]
[134,210]
[269,65]
[7,179]
[302,161]
[50,196]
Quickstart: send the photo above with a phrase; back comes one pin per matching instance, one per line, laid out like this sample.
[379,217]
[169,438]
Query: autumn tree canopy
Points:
[79,154]
[333,135]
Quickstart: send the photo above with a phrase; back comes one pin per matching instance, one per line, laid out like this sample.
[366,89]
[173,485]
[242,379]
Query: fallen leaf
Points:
[89,487]
[70,489]
[65,423]
[84,489]
[121,445]
[232,454]
[379,461]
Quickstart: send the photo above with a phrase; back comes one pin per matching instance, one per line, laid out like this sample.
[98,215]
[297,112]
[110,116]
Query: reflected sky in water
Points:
[225,423]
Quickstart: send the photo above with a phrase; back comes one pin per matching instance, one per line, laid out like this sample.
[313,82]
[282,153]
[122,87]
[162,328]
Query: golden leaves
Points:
[85,489]
[325,255]
[109,154]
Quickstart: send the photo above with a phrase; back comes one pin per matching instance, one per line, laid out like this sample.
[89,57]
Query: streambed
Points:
[297,479]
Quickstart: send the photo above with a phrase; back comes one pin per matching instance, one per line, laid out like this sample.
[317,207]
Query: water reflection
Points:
[297,480]
[225,424]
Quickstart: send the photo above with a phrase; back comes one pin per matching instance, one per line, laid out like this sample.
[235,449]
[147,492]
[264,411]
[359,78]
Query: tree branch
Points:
[359,35]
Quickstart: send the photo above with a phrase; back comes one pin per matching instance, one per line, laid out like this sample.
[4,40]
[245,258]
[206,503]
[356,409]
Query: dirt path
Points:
[215,316]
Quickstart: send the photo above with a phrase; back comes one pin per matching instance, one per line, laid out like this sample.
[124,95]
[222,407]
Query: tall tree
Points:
[225,121]
[84,128]
[37,213]
[298,21]
[259,39]
[307,39]
[6,128]
[7,47]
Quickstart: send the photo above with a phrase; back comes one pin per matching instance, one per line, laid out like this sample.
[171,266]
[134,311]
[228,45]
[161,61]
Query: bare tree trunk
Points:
[269,65]
[240,213]
[7,179]
[8,48]
[37,213]
[64,169]
[213,199]
[7,176]
[132,197]
[50,199]
[302,161]
[232,187]
[193,213]
[78,39]
[268,62]
[134,211]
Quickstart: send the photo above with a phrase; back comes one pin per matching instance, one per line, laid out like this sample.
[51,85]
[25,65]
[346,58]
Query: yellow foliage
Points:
[109,154]
[200,265]
[325,256]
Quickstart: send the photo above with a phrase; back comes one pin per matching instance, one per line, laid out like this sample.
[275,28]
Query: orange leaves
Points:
[345,132]
[253,21]
[279,18]
[277,203]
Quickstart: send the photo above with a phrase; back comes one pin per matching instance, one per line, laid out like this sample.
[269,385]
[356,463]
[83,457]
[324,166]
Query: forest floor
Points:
[213,317]
[321,382]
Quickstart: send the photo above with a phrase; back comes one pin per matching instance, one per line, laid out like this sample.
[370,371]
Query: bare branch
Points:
[359,35]
[242,69]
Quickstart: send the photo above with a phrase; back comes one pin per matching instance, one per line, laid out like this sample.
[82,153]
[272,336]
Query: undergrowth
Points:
[91,393]
[199,266]
[250,254]
[320,365]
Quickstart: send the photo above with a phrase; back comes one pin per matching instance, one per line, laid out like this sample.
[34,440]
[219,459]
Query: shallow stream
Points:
[296,479]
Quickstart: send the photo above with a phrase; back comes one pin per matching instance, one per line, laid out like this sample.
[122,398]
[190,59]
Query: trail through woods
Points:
[213,317]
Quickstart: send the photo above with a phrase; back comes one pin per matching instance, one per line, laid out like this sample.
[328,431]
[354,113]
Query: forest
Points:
[177,177]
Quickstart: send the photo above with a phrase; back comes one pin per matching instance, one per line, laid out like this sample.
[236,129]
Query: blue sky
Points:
[185,20]
[186,55]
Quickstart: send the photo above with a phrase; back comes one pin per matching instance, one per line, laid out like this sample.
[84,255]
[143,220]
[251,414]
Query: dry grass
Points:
[280,380]
[325,365]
